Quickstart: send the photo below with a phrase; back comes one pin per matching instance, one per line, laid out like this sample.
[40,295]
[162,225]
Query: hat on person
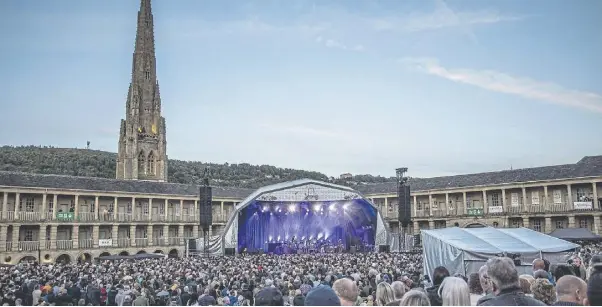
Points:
[269,297]
[322,296]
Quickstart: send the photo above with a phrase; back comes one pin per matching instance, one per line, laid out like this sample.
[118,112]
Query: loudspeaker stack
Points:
[205,212]
[405,205]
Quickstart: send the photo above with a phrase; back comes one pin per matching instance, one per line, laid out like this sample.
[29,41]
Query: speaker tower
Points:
[205,212]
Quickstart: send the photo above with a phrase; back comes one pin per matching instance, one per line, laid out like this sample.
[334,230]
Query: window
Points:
[495,199]
[514,200]
[28,235]
[160,233]
[516,223]
[29,204]
[129,208]
[151,164]
[434,204]
[145,209]
[583,223]
[536,225]
[559,224]
[419,206]
[161,210]
[557,195]
[141,164]
[534,197]
[147,75]
[93,207]
[50,205]
[495,224]
[581,194]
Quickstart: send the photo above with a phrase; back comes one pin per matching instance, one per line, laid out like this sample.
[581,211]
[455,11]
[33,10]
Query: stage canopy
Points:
[304,210]
[465,250]
[576,234]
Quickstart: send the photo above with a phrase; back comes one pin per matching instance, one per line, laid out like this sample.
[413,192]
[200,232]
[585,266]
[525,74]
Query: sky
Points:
[359,86]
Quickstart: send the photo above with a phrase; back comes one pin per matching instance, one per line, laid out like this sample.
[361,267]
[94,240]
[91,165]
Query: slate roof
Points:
[586,167]
[112,185]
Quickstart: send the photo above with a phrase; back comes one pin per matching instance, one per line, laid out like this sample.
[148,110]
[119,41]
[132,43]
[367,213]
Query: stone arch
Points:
[152,164]
[64,258]
[141,252]
[173,253]
[474,225]
[141,163]
[28,258]
[158,252]
[104,254]
[124,253]
[84,258]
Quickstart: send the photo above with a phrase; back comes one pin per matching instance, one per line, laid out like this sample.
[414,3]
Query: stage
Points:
[304,216]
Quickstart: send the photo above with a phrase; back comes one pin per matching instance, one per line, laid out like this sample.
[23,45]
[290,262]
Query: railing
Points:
[29,216]
[559,207]
[86,216]
[441,212]
[158,241]
[189,218]
[123,242]
[47,244]
[26,246]
[86,243]
[8,246]
[141,217]
[49,216]
[141,241]
[535,208]
[174,241]
[422,213]
[106,216]
[124,217]
[158,217]
[220,218]
[515,209]
[7,215]
[64,244]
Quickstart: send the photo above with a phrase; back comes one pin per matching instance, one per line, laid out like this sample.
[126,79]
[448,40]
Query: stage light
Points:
[279,210]
[317,207]
[292,208]
[345,206]
[266,208]
[332,207]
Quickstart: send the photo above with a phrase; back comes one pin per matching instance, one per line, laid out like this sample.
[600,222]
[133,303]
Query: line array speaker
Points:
[405,205]
[205,212]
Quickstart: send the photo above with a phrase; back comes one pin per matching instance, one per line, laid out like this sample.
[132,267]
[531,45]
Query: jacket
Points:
[512,297]
[433,294]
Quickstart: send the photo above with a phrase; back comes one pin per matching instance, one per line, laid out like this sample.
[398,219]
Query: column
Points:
[17,202]
[548,225]
[181,210]
[526,222]
[386,213]
[95,235]
[210,230]
[4,205]
[16,238]
[546,203]
[430,205]
[196,211]
[595,190]
[504,209]
[524,199]
[597,229]
[570,196]
[222,209]
[115,235]
[133,235]
[195,231]
[465,203]
[115,209]
[415,205]
[76,210]
[181,234]
[42,238]
[75,235]
[150,209]
[96,208]
[134,217]
[572,221]
[166,209]
[447,203]
[55,204]
[416,228]
[149,234]
[431,224]
[485,203]
[166,234]
[44,205]
[53,229]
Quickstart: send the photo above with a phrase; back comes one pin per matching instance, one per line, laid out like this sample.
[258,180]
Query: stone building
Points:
[54,217]
[142,148]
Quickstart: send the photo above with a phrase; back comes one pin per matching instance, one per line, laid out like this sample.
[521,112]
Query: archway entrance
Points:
[173,253]
[84,258]
[141,252]
[124,253]
[63,258]
[103,254]
[158,251]
[28,259]
[475,225]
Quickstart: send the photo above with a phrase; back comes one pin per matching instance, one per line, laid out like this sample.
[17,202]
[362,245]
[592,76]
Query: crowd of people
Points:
[364,279]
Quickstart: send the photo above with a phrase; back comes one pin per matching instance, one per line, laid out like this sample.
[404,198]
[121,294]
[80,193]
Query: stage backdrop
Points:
[263,224]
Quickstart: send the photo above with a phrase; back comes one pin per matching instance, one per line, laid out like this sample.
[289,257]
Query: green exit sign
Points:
[65,216]
[475,211]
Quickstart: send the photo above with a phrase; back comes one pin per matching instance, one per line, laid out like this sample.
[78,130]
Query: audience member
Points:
[454,292]
[504,280]
[570,291]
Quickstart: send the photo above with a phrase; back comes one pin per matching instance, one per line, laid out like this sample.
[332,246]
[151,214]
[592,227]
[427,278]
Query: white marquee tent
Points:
[465,250]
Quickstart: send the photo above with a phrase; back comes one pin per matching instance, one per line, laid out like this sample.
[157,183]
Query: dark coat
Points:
[512,297]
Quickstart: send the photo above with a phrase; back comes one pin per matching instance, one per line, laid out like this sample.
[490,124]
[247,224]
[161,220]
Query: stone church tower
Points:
[142,153]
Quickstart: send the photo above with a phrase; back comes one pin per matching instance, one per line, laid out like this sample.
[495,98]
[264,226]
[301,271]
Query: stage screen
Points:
[264,224]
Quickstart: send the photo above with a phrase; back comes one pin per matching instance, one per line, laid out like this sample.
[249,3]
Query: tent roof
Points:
[498,240]
[575,234]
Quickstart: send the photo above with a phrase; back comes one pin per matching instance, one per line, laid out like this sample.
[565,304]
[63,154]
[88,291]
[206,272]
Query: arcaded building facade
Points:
[54,217]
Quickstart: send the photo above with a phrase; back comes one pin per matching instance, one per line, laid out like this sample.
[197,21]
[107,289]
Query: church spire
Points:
[142,142]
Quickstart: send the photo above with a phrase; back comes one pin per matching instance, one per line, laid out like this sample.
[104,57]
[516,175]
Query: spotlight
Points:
[266,208]
[332,207]
[292,208]
[345,206]
[317,207]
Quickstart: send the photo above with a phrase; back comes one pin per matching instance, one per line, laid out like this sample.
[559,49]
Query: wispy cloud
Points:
[331,43]
[504,83]
[304,131]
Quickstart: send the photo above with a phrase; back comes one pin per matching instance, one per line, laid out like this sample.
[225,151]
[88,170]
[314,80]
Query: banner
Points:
[496,209]
[65,216]
[582,205]
[475,211]
[105,242]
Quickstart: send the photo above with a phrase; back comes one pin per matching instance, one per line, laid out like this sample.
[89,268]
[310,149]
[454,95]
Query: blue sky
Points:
[360,86]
